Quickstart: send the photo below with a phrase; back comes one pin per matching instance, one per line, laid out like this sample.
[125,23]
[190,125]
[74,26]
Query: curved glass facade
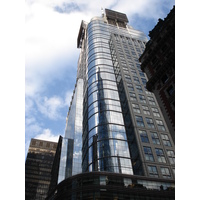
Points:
[71,153]
[107,147]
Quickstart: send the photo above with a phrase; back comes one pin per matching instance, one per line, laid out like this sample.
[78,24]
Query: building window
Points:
[138,65]
[141,74]
[147,92]
[160,155]
[150,123]
[130,88]
[166,140]
[139,88]
[128,79]
[136,108]
[139,121]
[171,156]
[144,81]
[151,101]
[146,110]
[160,125]
[148,154]
[134,54]
[142,98]
[129,85]
[125,70]
[132,96]
[136,80]
[134,72]
[143,136]
[155,138]
[152,171]
[170,90]
[165,172]
[155,112]
[127,76]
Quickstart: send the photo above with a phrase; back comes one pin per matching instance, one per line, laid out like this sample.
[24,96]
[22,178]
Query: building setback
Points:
[117,144]
[38,168]
[158,62]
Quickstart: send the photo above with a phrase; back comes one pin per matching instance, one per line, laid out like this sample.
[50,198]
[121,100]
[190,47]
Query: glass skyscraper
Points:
[114,125]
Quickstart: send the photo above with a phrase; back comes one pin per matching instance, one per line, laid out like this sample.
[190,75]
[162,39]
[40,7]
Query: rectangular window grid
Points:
[143,136]
[150,123]
[165,172]
[171,156]
[136,108]
[166,140]
[155,138]
[160,155]
[151,101]
[148,154]
[139,121]
[146,110]
[133,96]
[155,112]
[160,125]
[142,98]
[139,88]
[152,171]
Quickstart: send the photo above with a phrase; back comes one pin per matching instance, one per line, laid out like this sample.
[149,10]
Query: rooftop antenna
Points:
[102,12]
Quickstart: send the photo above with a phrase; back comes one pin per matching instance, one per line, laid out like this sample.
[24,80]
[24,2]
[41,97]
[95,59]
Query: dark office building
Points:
[117,144]
[38,168]
[158,62]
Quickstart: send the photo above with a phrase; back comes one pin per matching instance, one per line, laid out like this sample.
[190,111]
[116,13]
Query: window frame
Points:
[165,175]
[160,155]
[171,156]
[166,140]
[143,136]
[160,125]
[140,121]
[153,172]
[136,108]
[150,122]
[155,138]
[148,154]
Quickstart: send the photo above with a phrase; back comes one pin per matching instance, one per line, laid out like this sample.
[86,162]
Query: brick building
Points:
[158,62]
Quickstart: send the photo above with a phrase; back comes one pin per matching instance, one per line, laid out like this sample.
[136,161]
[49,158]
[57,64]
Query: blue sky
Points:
[51,56]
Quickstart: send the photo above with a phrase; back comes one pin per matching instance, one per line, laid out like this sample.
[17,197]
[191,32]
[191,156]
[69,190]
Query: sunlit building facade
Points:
[117,132]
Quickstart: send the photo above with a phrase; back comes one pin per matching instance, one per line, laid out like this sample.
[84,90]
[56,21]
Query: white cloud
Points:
[30,120]
[50,41]
[50,107]
[47,135]
[29,105]
[33,128]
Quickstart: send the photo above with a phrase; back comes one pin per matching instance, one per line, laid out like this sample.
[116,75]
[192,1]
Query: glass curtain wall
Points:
[71,153]
[107,148]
